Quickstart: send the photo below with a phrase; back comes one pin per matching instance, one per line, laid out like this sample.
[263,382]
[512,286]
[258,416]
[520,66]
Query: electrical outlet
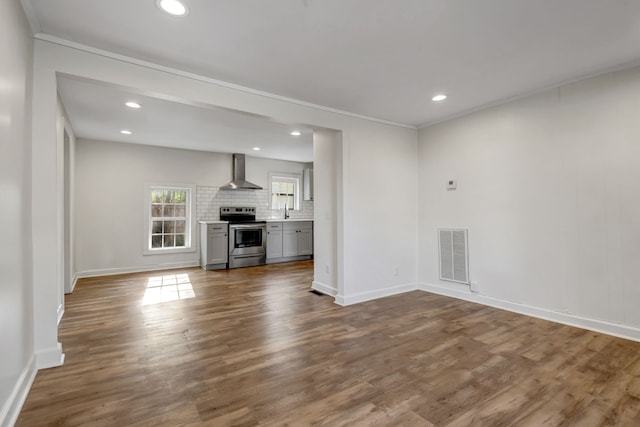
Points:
[474,287]
[396,271]
[326,268]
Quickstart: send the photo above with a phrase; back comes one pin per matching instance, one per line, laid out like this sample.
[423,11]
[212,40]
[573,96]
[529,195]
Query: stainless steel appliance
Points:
[239,182]
[247,237]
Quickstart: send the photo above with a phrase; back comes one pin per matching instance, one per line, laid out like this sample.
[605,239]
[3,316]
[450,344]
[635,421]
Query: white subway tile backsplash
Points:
[210,199]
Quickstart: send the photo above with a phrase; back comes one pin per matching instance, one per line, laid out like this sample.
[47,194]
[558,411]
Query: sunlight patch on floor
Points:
[171,287]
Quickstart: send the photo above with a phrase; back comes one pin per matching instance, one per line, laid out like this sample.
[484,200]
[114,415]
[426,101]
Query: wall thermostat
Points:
[452,184]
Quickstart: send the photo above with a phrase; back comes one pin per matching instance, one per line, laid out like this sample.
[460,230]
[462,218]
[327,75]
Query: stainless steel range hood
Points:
[239,182]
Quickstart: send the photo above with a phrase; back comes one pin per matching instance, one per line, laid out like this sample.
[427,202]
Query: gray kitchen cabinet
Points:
[289,241]
[297,238]
[274,240]
[214,246]
[307,184]
[305,241]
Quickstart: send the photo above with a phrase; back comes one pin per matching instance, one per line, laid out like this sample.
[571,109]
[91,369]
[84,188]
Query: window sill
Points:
[167,251]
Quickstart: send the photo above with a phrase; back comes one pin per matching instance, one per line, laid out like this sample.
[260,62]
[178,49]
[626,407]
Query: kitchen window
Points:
[285,190]
[169,219]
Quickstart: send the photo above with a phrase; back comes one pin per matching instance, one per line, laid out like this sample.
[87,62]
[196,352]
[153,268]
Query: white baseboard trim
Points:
[60,312]
[596,325]
[13,405]
[74,280]
[325,289]
[378,293]
[50,358]
[136,269]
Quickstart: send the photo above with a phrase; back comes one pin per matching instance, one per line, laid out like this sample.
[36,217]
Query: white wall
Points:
[69,150]
[549,188]
[326,145]
[257,169]
[17,366]
[380,195]
[110,182]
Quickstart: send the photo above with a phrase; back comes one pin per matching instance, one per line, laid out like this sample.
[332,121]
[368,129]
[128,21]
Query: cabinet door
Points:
[307,188]
[217,248]
[305,242]
[290,243]
[274,244]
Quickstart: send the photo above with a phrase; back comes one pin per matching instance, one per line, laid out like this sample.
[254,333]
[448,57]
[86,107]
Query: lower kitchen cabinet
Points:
[214,246]
[305,242]
[289,241]
[274,240]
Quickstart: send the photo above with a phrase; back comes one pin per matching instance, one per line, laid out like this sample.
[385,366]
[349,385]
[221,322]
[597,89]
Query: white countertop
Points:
[267,220]
[289,220]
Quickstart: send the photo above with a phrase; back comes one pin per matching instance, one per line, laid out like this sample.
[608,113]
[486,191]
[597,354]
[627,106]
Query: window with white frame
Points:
[169,219]
[285,191]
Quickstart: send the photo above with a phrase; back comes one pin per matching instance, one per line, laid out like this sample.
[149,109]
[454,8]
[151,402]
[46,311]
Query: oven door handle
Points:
[248,256]
[246,226]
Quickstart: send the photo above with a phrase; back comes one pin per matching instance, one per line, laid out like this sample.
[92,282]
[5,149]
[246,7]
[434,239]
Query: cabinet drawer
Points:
[298,225]
[216,228]
[274,226]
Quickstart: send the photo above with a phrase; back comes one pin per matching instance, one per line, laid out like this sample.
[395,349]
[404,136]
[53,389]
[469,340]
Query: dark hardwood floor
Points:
[253,346]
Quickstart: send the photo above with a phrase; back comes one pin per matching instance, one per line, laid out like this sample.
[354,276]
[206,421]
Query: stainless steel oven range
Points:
[247,237]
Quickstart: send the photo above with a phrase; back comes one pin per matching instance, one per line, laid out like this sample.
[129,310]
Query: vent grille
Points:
[454,259]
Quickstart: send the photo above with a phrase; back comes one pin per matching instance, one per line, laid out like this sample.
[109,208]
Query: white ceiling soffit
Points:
[376,58]
[97,111]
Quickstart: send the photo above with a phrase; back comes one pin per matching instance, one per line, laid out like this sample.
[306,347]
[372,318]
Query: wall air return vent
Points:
[454,259]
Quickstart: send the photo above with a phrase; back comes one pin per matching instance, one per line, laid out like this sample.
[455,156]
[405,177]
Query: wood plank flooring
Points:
[254,347]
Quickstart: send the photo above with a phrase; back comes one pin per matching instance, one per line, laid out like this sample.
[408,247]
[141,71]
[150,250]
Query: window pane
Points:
[275,202]
[167,204]
[180,196]
[156,196]
[284,190]
[156,241]
[180,211]
[156,210]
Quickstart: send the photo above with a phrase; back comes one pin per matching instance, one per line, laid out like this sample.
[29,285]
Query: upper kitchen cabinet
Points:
[307,184]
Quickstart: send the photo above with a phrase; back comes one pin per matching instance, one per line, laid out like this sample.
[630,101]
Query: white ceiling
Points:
[98,111]
[380,58]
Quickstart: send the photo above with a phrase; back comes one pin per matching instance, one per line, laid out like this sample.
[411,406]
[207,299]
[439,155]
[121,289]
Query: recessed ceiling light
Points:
[132,104]
[440,97]
[256,148]
[296,133]
[173,7]
[125,132]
